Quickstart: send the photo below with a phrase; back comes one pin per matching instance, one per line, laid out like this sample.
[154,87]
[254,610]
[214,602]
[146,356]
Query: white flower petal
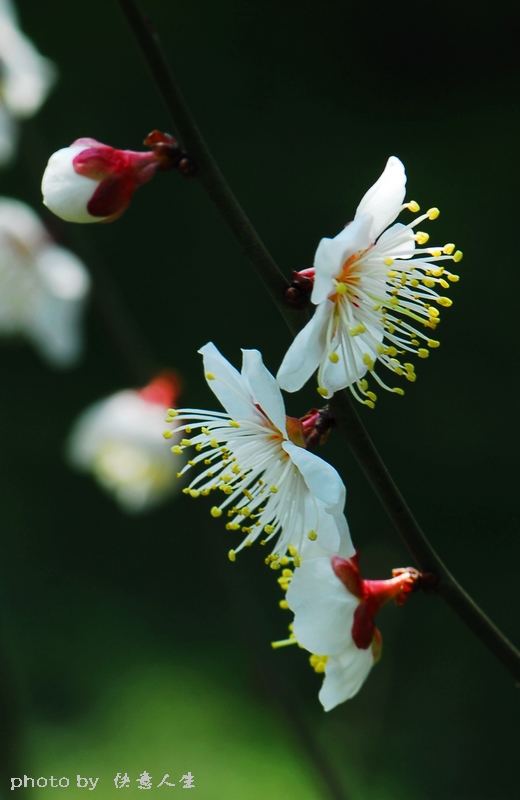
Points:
[344,675]
[323,608]
[320,476]
[228,385]
[333,253]
[400,237]
[384,199]
[66,193]
[264,388]
[304,354]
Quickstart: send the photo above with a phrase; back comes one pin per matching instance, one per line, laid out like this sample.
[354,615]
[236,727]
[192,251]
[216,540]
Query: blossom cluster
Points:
[377,288]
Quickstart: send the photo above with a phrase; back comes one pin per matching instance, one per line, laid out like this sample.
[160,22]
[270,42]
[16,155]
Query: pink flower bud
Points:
[92,182]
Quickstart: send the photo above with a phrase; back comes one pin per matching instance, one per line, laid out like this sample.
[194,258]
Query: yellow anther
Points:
[423,352]
[176,450]
[172,412]
[191,463]
[312,535]
[210,376]
[186,442]
[413,206]
[245,511]
[403,278]
[207,461]
[324,392]
[398,390]
[457,256]
[269,529]
[364,384]
[421,237]
[436,253]
[372,396]
[187,429]
[445,301]
[448,249]
[388,262]
[287,573]
[453,278]
[292,550]
[433,213]
[341,288]
[205,430]
[273,488]
[433,343]
[226,489]
[232,555]
[214,443]
[205,492]
[414,282]
[429,282]
[434,312]
[233,424]
[334,358]
[369,403]
[390,351]
[393,273]
[232,526]
[368,361]
[297,561]
[411,376]
[283,604]
[235,469]
[216,512]
[380,349]
[185,491]
[168,434]
[437,271]
[390,328]
[274,565]
[194,493]
[284,561]
[444,284]
[409,367]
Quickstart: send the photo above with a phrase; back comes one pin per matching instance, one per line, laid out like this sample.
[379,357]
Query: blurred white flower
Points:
[370,285]
[334,611]
[93,182]
[43,287]
[25,79]
[256,456]
[119,441]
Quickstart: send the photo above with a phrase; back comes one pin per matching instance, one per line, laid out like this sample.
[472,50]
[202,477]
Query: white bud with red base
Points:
[92,182]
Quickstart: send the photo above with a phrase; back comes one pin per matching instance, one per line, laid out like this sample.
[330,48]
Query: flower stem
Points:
[348,422]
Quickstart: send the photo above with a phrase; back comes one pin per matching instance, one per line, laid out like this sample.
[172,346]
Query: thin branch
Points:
[348,421]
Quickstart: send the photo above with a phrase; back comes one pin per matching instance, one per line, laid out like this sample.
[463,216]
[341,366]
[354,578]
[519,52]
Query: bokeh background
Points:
[132,643]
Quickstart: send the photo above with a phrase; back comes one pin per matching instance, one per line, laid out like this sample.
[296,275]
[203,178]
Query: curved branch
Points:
[348,422]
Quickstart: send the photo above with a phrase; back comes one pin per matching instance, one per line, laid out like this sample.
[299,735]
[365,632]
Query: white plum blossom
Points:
[25,79]
[272,487]
[375,291]
[119,441]
[43,287]
[334,610]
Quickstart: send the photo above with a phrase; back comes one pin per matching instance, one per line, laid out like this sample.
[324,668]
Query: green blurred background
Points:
[131,643]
